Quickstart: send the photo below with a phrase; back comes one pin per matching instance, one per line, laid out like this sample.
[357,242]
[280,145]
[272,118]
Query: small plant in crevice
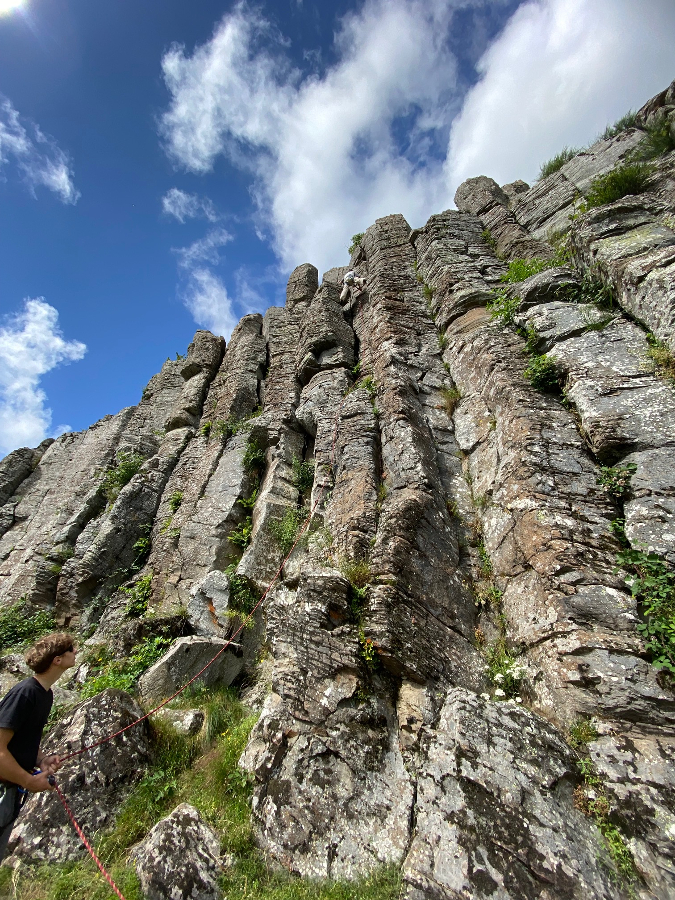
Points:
[175,501]
[356,371]
[581,733]
[557,162]
[241,535]
[303,475]
[616,479]
[489,239]
[542,374]
[484,559]
[503,307]
[142,547]
[487,595]
[505,673]
[115,478]
[138,595]
[663,357]
[286,529]
[243,594]
[356,241]
[205,430]
[591,799]
[60,556]
[442,341]
[368,652]
[658,140]
[652,583]
[521,269]
[625,180]
[618,529]
[428,292]
[358,574]
[254,458]
[450,398]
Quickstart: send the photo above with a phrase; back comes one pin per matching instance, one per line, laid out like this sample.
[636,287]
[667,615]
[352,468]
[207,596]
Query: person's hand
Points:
[51,763]
[39,782]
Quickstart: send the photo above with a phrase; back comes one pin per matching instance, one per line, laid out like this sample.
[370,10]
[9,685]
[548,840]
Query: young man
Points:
[23,715]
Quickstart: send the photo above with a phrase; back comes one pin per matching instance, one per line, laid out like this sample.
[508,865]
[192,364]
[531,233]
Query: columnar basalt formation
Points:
[457,512]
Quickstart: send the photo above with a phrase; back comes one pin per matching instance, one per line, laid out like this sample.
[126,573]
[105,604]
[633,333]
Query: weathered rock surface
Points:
[186,657]
[458,519]
[95,784]
[179,859]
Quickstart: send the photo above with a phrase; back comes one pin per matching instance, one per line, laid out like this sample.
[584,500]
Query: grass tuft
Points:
[115,478]
[623,124]
[286,529]
[542,374]
[557,162]
[623,181]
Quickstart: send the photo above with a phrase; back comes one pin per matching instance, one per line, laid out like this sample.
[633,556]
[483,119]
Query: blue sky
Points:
[164,164]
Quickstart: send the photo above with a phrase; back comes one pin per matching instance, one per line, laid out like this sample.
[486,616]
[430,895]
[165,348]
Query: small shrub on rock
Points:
[128,464]
[664,361]
[303,475]
[503,307]
[286,529]
[504,671]
[659,140]
[450,397]
[175,501]
[520,269]
[356,241]
[542,373]
[629,178]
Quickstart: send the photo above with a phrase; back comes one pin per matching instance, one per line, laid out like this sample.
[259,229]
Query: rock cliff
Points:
[465,668]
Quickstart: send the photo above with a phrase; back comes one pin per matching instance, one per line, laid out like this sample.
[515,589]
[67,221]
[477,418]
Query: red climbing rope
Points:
[86,843]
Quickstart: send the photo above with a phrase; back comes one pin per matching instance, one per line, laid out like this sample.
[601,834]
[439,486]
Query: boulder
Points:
[183,660]
[179,859]
[185,721]
[95,784]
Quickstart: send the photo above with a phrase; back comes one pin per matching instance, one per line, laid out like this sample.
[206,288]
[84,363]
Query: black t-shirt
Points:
[25,710]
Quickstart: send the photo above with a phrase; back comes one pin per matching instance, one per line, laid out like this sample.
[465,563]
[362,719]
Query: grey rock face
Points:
[457,519]
[95,784]
[495,811]
[179,859]
[185,721]
[183,660]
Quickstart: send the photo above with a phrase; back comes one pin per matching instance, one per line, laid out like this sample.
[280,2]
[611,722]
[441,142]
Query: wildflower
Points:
[500,693]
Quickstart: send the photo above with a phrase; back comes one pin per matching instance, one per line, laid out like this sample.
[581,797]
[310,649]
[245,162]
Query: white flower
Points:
[499,677]
[484,696]
[499,693]
[519,699]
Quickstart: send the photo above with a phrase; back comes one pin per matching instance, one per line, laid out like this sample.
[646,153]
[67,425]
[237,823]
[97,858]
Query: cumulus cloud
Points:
[182,206]
[207,299]
[31,344]
[37,158]
[560,71]
[325,151]
[389,126]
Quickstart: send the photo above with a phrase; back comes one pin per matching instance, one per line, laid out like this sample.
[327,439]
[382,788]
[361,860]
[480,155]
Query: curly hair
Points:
[42,654]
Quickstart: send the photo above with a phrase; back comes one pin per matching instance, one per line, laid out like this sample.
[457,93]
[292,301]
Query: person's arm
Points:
[10,770]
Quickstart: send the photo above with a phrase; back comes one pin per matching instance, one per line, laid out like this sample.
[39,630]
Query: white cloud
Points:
[204,250]
[374,133]
[31,344]
[557,75]
[207,299]
[323,151]
[182,206]
[37,157]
